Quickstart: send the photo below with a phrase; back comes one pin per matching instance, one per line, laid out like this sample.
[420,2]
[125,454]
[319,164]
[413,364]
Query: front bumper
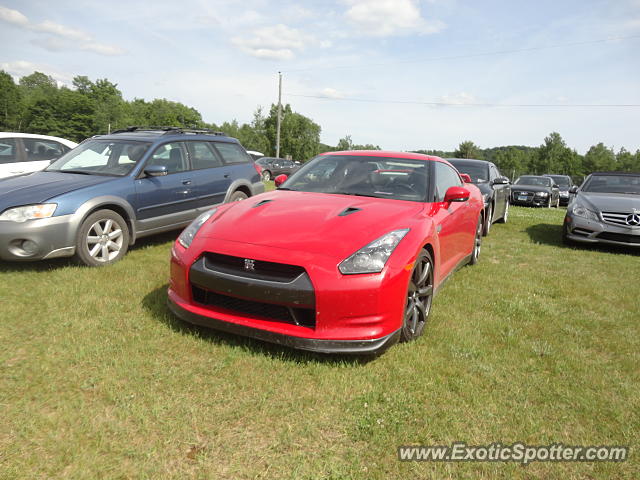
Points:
[579,229]
[529,200]
[361,347]
[38,239]
[318,309]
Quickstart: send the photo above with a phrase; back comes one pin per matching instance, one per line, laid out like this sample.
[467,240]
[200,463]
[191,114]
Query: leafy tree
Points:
[468,149]
[299,135]
[599,158]
[10,103]
[551,155]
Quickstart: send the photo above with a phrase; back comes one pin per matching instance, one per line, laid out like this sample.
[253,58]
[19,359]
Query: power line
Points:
[451,104]
[473,55]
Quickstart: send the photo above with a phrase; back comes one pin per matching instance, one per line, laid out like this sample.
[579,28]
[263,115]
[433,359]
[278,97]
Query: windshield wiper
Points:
[285,188]
[81,172]
[358,194]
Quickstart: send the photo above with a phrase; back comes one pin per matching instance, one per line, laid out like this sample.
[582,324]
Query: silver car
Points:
[605,209]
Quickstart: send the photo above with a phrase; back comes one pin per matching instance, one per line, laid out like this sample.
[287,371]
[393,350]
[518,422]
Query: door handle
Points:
[186,182]
[226,175]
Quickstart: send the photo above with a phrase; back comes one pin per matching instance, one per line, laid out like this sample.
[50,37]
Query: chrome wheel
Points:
[419,297]
[266,175]
[104,240]
[505,217]
[487,221]
[477,244]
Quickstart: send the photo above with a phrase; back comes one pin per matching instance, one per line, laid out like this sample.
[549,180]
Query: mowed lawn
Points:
[539,343]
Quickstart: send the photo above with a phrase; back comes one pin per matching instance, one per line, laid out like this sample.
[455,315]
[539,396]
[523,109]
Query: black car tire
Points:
[419,298]
[486,228]
[237,196]
[505,216]
[477,244]
[266,175]
[102,239]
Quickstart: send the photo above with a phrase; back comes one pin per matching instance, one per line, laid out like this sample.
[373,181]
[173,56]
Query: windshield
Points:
[478,173]
[537,181]
[561,181]
[101,157]
[380,177]
[613,184]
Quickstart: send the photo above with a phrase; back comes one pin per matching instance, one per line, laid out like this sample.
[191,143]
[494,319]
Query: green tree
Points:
[299,135]
[599,158]
[468,149]
[10,103]
[552,155]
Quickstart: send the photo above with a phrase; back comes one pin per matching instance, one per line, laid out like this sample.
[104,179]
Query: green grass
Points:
[538,343]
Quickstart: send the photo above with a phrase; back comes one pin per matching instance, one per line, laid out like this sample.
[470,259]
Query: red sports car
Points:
[345,256]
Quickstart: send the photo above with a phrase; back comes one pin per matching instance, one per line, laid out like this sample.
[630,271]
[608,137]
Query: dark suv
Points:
[564,183]
[97,199]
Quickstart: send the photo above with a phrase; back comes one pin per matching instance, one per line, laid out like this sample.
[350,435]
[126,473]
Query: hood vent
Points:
[349,211]
[262,202]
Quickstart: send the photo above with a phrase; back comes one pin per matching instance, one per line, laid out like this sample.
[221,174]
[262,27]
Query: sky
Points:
[401,74]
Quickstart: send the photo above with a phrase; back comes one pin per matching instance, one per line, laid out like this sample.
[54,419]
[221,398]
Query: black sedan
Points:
[494,187]
[535,191]
[271,167]
[564,184]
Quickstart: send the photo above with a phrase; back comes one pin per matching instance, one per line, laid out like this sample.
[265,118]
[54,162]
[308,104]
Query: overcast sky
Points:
[376,65]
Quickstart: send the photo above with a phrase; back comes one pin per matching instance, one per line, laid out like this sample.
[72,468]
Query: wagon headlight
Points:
[29,212]
[581,211]
[542,194]
[372,257]
[189,233]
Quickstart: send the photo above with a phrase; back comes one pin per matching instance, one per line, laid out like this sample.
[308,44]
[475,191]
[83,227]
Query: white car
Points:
[26,152]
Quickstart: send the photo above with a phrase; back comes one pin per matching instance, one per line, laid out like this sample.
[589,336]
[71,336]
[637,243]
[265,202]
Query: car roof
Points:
[68,143]
[387,153]
[469,161]
[633,174]
[154,134]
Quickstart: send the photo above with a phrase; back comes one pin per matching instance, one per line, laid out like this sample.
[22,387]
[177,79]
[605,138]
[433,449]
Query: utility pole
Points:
[279,114]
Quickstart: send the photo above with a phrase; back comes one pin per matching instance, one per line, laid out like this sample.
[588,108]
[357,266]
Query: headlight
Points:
[189,233]
[29,212]
[542,194]
[581,211]
[372,258]
[564,194]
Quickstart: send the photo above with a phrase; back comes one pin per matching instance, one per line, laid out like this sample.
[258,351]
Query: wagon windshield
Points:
[629,184]
[101,157]
[369,176]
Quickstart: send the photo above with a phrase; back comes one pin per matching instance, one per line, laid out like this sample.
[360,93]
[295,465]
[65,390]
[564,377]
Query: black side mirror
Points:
[573,189]
[500,181]
[555,185]
[156,171]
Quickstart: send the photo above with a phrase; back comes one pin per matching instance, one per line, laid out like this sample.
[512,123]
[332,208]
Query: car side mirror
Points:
[573,189]
[555,185]
[466,178]
[456,194]
[500,181]
[280,179]
[156,171]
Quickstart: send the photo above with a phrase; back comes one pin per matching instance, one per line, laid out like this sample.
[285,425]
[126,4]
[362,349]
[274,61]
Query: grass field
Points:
[538,343]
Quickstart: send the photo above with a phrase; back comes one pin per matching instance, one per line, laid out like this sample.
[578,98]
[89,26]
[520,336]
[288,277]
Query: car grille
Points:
[296,316]
[616,218]
[277,272]
[518,194]
[620,237]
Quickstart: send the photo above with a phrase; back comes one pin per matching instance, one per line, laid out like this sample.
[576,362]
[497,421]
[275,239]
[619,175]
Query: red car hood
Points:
[311,222]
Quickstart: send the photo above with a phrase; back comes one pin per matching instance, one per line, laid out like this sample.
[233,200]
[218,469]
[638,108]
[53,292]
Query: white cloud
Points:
[331,93]
[59,37]
[21,68]
[383,18]
[278,42]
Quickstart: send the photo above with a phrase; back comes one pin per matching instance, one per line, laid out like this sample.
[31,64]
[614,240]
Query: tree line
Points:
[36,104]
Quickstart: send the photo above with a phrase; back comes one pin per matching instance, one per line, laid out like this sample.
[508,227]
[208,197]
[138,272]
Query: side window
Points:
[232,153]
[38,150]
[171,155]
[202,155]
[8,153]
[493,173]
[446,177]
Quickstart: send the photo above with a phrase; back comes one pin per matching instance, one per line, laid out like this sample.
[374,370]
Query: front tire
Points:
[419,298]
[103,239]
[487,221]
[505,217]
[237,196]
[477,244]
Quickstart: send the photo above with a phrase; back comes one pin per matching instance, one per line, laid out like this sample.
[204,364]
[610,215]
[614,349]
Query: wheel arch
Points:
[109,203]
[238,186]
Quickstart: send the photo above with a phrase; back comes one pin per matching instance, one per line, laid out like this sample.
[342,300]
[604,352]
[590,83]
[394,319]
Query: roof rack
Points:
[169,130]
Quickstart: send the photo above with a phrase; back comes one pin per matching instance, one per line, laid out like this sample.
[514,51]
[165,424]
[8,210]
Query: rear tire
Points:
[102,239]
[266,175]
[477,244]
[419,298]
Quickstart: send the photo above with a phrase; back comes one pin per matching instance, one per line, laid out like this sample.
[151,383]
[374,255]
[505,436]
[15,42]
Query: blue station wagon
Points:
[96,200]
